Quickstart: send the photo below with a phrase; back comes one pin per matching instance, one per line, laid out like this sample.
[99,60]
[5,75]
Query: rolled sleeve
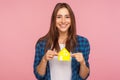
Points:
[37,59]
[86,55]
[84,47]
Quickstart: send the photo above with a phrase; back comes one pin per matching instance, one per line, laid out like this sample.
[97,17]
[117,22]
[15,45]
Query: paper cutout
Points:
[64,55]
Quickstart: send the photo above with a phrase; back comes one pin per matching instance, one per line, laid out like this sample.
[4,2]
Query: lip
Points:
[63,25]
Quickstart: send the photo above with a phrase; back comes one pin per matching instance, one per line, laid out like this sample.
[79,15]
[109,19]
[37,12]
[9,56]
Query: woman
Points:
[62,33]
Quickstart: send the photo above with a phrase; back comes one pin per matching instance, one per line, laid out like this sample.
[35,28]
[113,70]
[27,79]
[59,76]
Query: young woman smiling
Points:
[62,34]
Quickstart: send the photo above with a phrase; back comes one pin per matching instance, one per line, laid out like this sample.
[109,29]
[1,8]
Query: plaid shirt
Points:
[82,46]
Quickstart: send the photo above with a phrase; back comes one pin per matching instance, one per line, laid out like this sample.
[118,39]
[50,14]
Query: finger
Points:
[49,50]
[50,58]
[53,49]
[55,54]
[72,55]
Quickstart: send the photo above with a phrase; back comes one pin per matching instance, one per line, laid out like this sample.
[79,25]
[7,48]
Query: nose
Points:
[63,20]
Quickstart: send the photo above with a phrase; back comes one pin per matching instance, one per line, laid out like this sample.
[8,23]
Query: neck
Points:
[62,38]
[63,35]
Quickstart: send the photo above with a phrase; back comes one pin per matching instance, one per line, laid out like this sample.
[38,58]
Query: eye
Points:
[67,16]
[58,16]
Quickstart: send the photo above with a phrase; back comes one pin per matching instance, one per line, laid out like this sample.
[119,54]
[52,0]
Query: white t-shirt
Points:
[60,70]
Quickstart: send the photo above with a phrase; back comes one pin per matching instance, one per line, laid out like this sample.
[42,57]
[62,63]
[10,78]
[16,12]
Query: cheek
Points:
[69,21]
[58,20]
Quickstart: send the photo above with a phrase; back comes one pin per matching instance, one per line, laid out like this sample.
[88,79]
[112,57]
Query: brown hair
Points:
[53,34]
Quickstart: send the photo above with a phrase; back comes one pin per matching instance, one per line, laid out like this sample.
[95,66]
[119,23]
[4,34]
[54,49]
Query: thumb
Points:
[72,55]
[56,54]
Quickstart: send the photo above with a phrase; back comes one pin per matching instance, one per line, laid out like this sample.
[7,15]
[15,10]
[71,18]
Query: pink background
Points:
[22,22]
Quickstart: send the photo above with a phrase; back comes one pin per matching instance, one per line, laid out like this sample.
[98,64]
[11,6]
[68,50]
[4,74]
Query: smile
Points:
[63,25]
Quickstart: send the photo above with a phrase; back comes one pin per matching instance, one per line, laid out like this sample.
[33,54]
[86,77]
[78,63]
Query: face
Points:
[63,20]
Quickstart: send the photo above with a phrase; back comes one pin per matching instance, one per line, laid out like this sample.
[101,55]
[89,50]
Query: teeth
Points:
[63,25]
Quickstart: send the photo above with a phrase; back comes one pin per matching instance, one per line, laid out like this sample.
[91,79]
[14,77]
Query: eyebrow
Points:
[61,15]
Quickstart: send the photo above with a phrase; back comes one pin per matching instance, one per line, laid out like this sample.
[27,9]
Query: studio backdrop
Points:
[23,22]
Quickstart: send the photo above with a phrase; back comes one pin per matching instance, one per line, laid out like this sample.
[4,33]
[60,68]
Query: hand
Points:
[79,57]
[49,55]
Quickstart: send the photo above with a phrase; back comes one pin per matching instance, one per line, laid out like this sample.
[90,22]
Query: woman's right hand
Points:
[41,68]
[49,55]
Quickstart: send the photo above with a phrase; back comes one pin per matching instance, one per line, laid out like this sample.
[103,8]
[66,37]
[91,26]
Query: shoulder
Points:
[41,42]
[83,44]
[81,39]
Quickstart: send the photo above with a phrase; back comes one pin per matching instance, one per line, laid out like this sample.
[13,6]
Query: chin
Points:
[63,31]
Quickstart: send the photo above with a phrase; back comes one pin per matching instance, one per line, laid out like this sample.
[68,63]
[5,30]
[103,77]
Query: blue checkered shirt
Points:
[82,46]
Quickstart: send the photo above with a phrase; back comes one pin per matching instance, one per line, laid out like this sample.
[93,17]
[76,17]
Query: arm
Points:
[82,58]
[41,68]
[40,61]
[37,60]
[84,70]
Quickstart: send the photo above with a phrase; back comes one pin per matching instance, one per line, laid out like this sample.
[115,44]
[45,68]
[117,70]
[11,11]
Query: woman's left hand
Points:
[79,57]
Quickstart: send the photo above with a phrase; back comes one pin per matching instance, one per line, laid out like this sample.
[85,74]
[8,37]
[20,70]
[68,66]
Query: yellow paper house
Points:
[64,55]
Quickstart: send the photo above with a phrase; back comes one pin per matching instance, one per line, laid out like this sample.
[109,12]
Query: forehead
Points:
[63,11]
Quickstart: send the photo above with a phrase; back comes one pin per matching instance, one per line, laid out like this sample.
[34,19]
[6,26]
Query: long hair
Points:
[53,35]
